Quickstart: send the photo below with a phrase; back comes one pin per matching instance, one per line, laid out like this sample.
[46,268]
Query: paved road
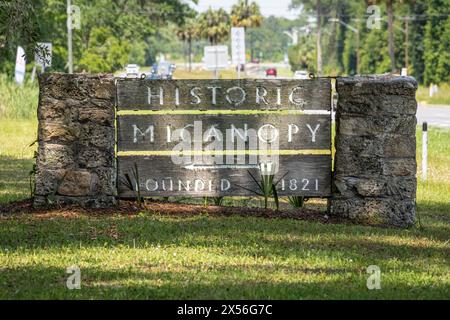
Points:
[435,116]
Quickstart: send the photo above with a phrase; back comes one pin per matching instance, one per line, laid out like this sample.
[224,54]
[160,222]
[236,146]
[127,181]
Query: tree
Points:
[269,41]
[436,29]
[214,25]
[391,33]
[122,23]
[189,32]
[375,57]
[320,7]
[417,34]
[19,26]
[301,56]
[246,15]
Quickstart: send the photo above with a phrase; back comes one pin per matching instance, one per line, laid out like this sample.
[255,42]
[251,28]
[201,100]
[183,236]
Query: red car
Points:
[271,72]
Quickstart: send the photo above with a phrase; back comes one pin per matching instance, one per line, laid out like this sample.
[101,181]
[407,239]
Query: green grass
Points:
[218,257]
[442,97]
[149,255]
[16,158]
[18,101]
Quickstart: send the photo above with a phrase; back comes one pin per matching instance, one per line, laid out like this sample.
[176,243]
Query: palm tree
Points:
[188,33]
[246,15]
[214,25]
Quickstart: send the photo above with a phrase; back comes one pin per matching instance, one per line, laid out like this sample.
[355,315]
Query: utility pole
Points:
[69,36]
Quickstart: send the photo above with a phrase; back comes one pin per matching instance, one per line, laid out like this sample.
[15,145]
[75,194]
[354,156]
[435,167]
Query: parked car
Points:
[301,74]
[271,72]
[132,71]
[241,66]
[162,70]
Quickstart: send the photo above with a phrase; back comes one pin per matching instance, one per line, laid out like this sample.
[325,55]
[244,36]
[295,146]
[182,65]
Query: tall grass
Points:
[18,101]
[441,97]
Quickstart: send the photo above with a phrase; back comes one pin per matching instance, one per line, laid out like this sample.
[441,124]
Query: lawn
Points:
[442,97]
[148,255]
[152,256]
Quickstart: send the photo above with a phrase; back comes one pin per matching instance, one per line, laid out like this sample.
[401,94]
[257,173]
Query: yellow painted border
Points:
[224,152]
[209,112]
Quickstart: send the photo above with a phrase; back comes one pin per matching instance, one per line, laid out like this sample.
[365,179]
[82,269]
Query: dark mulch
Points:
[126,207]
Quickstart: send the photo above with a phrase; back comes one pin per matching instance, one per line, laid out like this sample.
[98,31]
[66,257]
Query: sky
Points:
[277,8]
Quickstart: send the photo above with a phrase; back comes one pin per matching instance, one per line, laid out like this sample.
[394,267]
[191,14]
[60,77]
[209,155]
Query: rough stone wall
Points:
[375,162]
[75,163]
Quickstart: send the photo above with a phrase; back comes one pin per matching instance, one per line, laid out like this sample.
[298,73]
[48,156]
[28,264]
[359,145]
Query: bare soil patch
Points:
[130,208]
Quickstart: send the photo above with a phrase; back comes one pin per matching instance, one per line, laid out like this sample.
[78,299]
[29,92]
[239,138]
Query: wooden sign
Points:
[224,94]
[207,137]
[156,132]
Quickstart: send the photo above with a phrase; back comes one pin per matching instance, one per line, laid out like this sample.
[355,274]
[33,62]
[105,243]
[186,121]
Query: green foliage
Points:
[19,26]
[436,42]
[296,201]
[245,14]
[112,34]
[375,57]
[132,183]
[267,187]
[214,25]
[269,40]
[443,65]
[303,56]
[218,201]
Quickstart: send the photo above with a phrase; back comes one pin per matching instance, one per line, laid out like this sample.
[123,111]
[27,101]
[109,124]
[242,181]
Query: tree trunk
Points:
[407,43]
[391,34]
[190,54]
[319,40]
[358,56]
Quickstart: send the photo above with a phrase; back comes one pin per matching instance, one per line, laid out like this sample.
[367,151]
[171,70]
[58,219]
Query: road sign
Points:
[245,127]
[216,57]
[43,54]
[238,45]
[20,65]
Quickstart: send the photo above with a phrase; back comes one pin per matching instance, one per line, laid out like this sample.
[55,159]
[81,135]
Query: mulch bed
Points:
[126,207]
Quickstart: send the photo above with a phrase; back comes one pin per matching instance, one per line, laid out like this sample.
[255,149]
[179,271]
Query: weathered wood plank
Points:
[152,132]
[305,176]
[137,94]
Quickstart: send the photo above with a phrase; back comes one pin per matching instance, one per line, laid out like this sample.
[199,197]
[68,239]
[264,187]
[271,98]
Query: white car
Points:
[132,71]
[301,74]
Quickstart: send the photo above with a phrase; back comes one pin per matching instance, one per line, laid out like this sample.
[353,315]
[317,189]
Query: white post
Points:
[69,36]
[33,73]
[424,150]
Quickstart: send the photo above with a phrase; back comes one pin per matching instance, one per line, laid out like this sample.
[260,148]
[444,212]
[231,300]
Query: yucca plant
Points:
[218,201]
[296,201]
[266,185]
[132,183]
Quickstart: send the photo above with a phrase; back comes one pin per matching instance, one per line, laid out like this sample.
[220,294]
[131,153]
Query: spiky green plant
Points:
[132,183]
[296,201]
[218,201]
[266,185]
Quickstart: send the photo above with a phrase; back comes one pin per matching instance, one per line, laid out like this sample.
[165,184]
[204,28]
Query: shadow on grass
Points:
[238,236]
[227,282]
[14,178]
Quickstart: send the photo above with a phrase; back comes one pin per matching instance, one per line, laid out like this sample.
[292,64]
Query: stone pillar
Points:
[375,162]
[75,162]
